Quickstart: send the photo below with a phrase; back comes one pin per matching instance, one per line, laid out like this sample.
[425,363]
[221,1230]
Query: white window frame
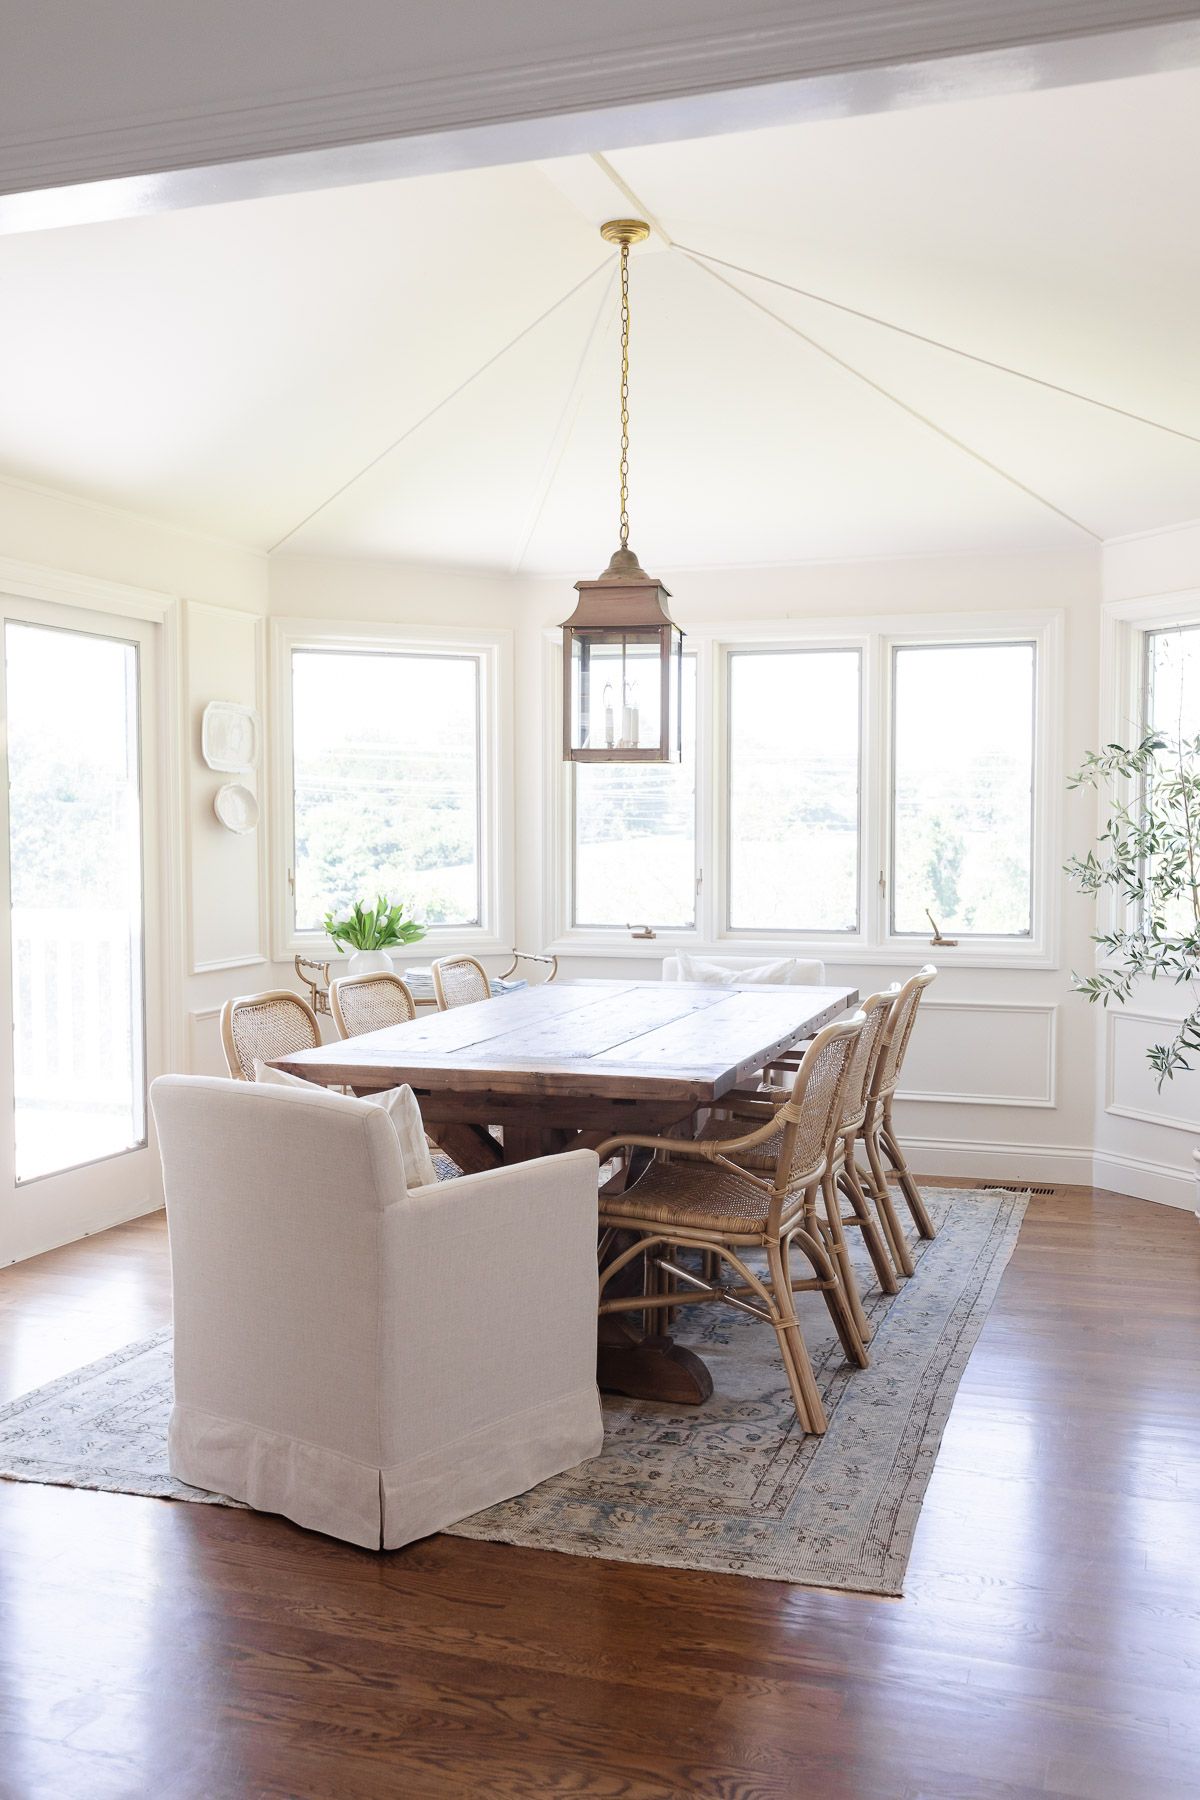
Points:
[875,637]
[1124,627]
[493,652]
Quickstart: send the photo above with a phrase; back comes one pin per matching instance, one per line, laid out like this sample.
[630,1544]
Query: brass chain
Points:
[624,396]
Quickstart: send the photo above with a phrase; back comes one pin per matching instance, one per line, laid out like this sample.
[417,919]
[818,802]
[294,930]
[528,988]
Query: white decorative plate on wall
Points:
[229,736]
[236,807]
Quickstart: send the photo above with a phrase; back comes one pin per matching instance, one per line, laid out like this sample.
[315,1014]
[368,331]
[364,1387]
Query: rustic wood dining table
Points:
[569,1064]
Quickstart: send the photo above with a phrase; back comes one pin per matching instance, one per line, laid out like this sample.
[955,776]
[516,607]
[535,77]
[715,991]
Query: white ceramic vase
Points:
[370,962]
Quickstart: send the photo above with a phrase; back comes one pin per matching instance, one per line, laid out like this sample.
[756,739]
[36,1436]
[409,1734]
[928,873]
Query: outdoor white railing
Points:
[77,1005]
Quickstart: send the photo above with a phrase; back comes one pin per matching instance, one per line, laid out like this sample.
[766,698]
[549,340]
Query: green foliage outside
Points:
[368,818]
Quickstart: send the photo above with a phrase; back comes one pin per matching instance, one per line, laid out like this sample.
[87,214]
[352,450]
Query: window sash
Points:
[378,881]
[733,654]
[491,652]
[573,777]
[962,933]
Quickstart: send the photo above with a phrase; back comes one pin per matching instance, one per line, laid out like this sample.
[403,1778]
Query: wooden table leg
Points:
[471,1146]
[647,1365]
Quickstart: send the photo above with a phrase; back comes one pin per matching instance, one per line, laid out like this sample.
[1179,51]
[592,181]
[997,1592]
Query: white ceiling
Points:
[229,368]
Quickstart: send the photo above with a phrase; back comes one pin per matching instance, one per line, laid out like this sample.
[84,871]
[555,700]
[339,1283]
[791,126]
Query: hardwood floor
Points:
[1048,1642]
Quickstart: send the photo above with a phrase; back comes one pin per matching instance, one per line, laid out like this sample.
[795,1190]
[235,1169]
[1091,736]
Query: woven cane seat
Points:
[693,1195]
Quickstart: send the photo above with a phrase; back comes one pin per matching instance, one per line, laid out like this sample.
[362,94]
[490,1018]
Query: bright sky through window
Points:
[386,771]
[793,790]
[962,825]
[635,835]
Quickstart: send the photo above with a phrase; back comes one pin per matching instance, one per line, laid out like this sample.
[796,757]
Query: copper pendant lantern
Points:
[622,652]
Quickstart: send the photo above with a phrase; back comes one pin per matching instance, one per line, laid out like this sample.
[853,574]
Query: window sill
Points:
[440,942]
[834,953]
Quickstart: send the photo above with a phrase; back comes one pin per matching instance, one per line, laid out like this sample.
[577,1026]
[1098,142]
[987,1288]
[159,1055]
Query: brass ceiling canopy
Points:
[625,231]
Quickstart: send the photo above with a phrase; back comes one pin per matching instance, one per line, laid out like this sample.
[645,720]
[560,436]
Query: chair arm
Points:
[684,1146]
[537,1176]
[489,1313]
[520,956]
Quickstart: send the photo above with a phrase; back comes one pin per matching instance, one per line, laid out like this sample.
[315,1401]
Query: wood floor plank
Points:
[1048,1642]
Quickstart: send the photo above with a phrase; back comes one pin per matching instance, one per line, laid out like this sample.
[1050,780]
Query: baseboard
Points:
[1000,1161]
[1078,1166]
[58,1243]
[1147,1180]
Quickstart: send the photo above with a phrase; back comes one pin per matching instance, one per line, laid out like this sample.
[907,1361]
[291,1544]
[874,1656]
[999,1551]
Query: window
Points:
[71,704]
[793,855]
[841,777]
[1172,681]
[634,836]
[387,775]
[1171,688]
[962,788]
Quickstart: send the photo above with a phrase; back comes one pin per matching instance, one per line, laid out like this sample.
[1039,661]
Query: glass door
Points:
[77,793]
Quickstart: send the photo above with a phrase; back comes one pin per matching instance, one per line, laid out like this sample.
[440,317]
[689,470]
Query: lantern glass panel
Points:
[616,690]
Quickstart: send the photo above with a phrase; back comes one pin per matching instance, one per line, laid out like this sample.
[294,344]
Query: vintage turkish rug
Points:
[733,1486]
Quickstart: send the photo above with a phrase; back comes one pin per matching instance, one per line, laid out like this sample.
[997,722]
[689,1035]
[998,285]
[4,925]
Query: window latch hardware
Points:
[937,938]
[640,931]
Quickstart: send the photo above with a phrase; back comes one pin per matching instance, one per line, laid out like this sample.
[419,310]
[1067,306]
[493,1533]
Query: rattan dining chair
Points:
[459,981]
[258,1027]
[841,1179]
[878,1133]
[369,1002]
[701,1194]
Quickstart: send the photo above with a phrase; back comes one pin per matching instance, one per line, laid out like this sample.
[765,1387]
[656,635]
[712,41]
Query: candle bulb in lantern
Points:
[629,717]
[608,714]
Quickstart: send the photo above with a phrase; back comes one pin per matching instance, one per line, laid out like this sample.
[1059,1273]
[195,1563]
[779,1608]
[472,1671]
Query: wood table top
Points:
[669,1040]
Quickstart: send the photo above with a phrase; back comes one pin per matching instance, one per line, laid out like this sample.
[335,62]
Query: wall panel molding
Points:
[203,1033]
[1115,1064]
[1039,1060]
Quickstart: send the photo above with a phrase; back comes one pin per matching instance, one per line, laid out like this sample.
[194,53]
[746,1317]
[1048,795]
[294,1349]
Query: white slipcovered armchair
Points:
[370,1361]
[729,970]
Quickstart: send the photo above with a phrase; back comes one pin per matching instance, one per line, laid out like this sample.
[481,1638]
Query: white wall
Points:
[1002,1033]
[1145,1139]
[227,593]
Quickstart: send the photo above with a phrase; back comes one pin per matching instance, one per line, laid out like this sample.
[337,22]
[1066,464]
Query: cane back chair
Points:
[369,1002]
[699,1194]
[877,1132]
[259,1027]
[459,981]
[842,1176]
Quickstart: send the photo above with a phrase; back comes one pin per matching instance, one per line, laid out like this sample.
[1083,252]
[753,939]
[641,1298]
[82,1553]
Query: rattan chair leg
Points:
[835,1238]
[806,1394]
[895,1155]
[831,1288]
[883,1203]
[851,1187]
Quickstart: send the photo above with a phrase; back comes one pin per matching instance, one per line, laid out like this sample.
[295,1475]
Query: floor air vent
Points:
[1020,1187]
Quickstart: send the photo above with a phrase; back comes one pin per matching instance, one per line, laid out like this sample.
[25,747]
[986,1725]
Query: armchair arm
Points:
[490,1289]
